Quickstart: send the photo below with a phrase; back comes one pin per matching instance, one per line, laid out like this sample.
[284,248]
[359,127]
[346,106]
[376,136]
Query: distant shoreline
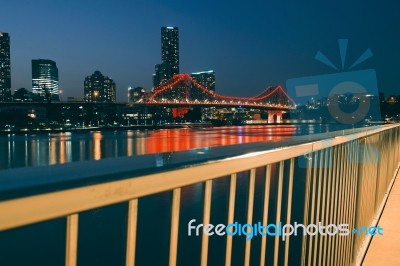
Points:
[83,130]
[144,127]
[105,128]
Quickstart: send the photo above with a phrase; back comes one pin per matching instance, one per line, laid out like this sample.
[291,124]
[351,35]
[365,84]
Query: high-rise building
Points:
[170,49]
[169,55]
[5,69]
[205,78]
[160,74]
[45,79]
[99,88]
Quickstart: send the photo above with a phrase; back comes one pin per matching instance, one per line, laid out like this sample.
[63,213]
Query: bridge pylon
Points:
[274,116]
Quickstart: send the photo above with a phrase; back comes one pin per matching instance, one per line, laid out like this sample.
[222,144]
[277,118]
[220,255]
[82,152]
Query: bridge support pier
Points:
[274,116]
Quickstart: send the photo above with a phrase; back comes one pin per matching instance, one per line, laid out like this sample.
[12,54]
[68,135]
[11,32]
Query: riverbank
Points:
[150,127]
[103,128]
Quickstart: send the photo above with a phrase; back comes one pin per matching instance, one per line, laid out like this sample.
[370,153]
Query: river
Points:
[21,150]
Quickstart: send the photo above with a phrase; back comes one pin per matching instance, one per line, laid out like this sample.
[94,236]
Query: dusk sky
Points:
[250,45]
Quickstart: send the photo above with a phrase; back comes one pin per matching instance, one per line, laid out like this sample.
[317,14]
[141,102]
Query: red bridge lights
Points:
[182,89]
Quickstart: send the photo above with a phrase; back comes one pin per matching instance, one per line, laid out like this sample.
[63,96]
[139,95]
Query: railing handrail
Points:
[28,181]
[42,207]
[360,163]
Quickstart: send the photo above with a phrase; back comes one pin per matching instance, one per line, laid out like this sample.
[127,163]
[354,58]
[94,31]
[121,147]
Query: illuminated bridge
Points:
[182,91]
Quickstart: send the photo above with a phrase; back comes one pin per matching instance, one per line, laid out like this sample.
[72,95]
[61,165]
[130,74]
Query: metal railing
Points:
[346,181]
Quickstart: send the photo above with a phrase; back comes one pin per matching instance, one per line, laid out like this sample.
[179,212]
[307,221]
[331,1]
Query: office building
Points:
[169,56]
[45,80]
[5,67]
[160,75]
[170,49]
[99,88]
[205,78]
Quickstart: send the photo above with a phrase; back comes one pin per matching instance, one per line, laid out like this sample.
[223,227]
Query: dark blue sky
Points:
[249,45]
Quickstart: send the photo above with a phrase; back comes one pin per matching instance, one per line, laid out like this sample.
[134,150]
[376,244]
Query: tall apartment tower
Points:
[5,67]
[169,55]
[205,78]
[99,88]
[170,49]
[45,79]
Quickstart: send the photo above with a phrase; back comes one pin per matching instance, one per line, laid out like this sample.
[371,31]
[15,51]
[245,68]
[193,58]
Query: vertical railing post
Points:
[332,201]
[346,202]
[324,207]
[71,240]
[342,204]
[289,209]
[250,204]
[357,163]
[306,204]
[278,210]
[231,213]
[173,249]
[265,212]
[206,220]
[313,191]
[131,232]
[318,204]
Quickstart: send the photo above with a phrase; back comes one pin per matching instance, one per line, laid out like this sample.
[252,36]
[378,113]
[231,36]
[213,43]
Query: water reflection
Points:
[48,149]
[97,136]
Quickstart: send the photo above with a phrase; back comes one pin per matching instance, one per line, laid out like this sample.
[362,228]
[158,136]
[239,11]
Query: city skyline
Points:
[247,48]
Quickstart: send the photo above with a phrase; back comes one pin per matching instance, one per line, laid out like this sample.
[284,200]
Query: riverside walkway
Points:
[385,250]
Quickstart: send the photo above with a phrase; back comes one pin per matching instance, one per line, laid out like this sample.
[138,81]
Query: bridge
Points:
[183,91]
[342,177]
